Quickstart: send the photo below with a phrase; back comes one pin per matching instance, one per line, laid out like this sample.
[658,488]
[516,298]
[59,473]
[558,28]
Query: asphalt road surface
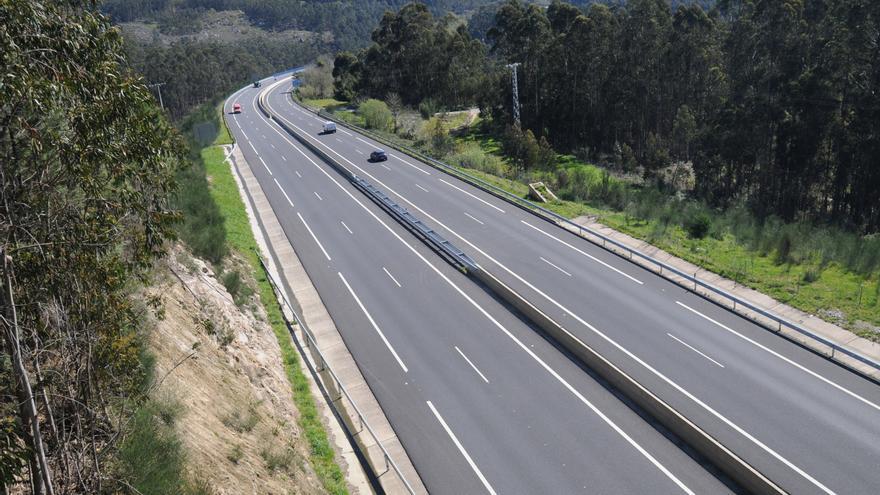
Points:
[480,401]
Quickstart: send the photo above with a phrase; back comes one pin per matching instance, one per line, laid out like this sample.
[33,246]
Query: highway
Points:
[481,402]
[810,425]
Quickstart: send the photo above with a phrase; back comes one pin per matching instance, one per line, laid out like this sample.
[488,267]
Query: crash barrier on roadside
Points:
[839,353]
[346,409]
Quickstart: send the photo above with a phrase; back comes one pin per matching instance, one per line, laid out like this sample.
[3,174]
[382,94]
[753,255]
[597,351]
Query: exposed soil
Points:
[222,365]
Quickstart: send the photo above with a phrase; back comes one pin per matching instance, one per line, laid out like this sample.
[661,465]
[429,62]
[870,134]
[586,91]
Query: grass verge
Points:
[818,270]
[226,195]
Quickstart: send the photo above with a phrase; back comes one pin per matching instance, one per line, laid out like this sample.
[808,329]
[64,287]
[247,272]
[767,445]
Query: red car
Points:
[236,108]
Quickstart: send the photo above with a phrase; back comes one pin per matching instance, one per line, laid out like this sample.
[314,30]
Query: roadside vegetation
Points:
[683,182]
[89,167]
[237,231]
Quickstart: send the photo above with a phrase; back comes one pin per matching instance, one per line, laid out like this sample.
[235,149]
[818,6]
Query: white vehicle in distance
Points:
[329,128]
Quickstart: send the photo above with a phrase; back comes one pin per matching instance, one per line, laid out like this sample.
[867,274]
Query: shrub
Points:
[376,115]
[526,151]
[811,275]
[474,157]
[151,457]
[236,287]
[698,225]
[428,107]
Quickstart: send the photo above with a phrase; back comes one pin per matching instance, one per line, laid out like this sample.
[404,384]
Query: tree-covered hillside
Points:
[349,21]
[774,102]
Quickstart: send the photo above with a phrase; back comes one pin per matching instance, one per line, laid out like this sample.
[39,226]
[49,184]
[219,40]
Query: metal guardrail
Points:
[457,256]
[453,254]
[322,365]
[555,218]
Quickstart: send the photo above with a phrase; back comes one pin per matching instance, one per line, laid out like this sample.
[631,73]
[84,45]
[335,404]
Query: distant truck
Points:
[236,108]
[329,127]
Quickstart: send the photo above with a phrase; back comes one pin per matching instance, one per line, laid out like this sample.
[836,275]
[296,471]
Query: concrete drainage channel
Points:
[727,461]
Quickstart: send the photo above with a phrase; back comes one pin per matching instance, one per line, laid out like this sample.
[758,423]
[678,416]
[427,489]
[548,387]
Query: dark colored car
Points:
[257,84]
[378,156]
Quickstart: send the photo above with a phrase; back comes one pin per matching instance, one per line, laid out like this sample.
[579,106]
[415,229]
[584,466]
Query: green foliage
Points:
[236,287]
[698,225]
[89,168]
[202,226]
[526,151]
[473,157]
[195,72]
[376,115]
[317,81]
[416,56]
[151,458]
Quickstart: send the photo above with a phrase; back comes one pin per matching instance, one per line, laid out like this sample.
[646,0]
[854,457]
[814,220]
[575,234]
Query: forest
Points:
[350,21]
[197,71]
[773,103]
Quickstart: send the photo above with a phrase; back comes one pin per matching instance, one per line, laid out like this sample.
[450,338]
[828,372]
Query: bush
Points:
[475,158]
[376,115]
[236,287]
[698,225]
[428,107]
[526,151]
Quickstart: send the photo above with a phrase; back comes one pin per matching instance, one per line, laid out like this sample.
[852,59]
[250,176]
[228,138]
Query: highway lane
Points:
[808,423]
[478,399]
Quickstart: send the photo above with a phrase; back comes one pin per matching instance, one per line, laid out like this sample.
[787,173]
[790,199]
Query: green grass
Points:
[238,234]
[151,458]
[324,103]
[814,283]
[223,136]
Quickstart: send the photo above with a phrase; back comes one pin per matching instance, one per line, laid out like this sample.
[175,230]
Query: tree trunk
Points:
[28,408]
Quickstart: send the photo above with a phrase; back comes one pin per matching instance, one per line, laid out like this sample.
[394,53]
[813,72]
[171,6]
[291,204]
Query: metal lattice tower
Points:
[515,95]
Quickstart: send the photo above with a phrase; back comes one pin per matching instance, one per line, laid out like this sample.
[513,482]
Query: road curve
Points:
[807,423]
[479,400]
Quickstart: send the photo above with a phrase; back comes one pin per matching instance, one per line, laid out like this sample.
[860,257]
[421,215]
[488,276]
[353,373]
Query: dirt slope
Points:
[222,365]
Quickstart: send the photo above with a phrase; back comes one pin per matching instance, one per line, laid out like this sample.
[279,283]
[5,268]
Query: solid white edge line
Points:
[694,349]
[264,164]
[471,195]
[554,266]
[313,236]
[461,449]
[498,325]
[474,218]
[373,323]
[392,277]
[780,356]
[282,191]
[605,337]
[422,188]
[346,227]
[597,260]
[252,147]
[472,364]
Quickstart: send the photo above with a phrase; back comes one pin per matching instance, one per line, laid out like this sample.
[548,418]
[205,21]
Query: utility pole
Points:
[515,95]
[158,87]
